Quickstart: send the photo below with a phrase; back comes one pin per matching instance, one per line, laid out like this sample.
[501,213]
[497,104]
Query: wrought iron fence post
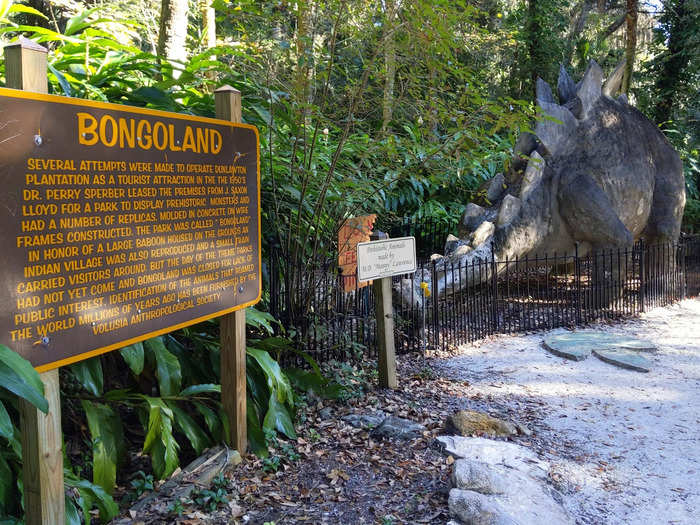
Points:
[435,336]
[641,275]
[494,286]
[577,278]
[683,276]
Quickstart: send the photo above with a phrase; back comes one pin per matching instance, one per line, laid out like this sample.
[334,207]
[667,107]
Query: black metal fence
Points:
[483,298]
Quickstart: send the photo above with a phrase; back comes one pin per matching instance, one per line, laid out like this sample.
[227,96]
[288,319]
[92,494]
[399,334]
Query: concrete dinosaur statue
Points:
[597,173]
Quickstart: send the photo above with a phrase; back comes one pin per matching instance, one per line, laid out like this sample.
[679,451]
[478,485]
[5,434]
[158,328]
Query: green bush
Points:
[691,216]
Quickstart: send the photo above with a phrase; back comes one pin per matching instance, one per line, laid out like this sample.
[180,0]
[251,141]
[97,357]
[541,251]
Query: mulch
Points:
[335,473]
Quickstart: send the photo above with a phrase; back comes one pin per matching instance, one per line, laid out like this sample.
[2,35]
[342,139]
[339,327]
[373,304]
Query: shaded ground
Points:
[624,445]
[335,473]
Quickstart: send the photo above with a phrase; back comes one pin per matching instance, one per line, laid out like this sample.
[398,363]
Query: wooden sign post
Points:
[42,454]
[232,326]
[379,260]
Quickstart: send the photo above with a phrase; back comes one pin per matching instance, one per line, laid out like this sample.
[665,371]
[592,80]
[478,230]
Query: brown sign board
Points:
[120,223]
[353,231]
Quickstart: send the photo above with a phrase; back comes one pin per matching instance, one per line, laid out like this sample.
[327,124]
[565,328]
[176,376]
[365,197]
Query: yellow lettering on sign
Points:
[131,133]
[87,129]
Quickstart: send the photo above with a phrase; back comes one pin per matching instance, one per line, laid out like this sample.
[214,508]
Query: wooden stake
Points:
[42,457]
[42,443]
[384,309]
[232,326]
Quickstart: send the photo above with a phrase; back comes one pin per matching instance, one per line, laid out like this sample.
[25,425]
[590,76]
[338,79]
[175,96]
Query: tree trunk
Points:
[533,30]
[389,64]
[676,61]
[173,32]
[208,14]
[631,43]
[208,24]
[577,28]
[301,74]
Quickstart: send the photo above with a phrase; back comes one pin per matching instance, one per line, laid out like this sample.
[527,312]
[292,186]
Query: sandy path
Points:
[624,446]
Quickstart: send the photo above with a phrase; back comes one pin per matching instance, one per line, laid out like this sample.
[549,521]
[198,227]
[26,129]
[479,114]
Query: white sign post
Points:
[379,260]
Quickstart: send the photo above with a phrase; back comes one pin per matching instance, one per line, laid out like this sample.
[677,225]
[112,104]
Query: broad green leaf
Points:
[256,436]
[89,375]
[108,446]
[118,395]
[94,494]
[19,377]
[6,427]
[167,367]
[160,443]
[306,380]
[276,380]
[65,85]
[260,320]
[188,426]
[211,419]
[77,22]
[72,514]
[21,8]
[133,355]
[7,490]
[273,344]
[40,34]
[5,6]
[278,418]
[201,389]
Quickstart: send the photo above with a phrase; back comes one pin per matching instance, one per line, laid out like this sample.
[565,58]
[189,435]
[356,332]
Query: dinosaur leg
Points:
[590,217]
[664,224]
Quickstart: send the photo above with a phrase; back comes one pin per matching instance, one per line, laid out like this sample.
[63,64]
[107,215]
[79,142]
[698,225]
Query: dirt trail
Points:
[624,445]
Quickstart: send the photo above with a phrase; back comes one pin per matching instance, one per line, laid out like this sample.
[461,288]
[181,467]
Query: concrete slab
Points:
[567,347]
[579,344]
[628,359]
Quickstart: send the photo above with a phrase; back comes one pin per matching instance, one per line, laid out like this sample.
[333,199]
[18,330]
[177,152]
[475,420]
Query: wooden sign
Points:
[120,223]
[353,231]
[386,258]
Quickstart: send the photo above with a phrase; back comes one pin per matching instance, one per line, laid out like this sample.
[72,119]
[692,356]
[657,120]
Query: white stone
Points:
[477,476]
[533,175]
[496,188]
[473,508]
[471,218]
[482,233]
[526,499]
[510,208]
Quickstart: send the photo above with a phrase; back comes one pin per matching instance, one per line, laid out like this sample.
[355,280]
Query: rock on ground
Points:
[469,422]
[507,484]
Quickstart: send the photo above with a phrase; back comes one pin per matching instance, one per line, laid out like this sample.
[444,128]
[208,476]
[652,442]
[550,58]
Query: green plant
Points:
[209,500]
[18,380]
[691,216]
[176,508]
[289,452]
[271,464]
[141,483]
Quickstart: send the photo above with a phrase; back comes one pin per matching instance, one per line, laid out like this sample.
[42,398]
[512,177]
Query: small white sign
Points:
[385,258]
